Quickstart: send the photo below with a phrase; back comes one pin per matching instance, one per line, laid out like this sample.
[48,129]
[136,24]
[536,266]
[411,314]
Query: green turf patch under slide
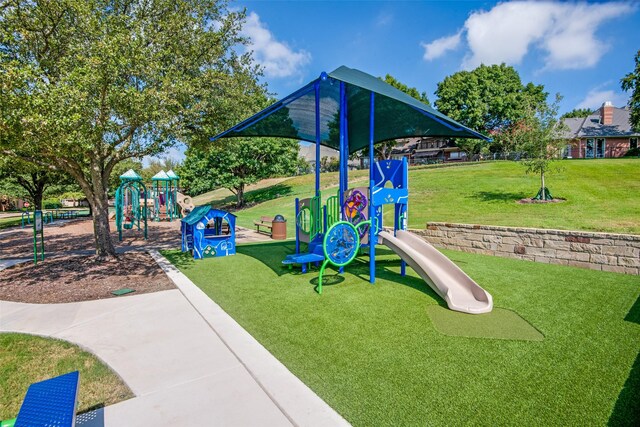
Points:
[500,324]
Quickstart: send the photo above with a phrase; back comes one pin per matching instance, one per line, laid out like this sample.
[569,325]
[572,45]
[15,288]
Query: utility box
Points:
[279,228]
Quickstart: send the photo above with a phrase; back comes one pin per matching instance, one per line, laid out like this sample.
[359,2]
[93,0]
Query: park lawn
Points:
[9,222]
[25,359]
[374,354]
[601,196]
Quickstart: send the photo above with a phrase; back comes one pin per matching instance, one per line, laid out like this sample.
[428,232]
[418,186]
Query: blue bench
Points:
[50,403]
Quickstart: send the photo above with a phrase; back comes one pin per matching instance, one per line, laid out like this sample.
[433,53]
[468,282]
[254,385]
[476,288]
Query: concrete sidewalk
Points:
[187,361]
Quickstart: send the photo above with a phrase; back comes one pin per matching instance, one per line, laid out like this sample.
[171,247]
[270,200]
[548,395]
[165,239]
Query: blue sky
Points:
[579,49]
[576,48]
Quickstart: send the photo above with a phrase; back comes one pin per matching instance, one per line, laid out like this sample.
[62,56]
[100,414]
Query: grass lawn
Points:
[9,222]
[601,195]
[389,354]
[25,359]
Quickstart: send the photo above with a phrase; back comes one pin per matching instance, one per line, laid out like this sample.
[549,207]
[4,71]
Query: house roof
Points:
[200,212]
[592,125]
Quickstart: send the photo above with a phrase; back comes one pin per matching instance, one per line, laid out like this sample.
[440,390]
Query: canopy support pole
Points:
[343,115]
[317,93]
[373,238]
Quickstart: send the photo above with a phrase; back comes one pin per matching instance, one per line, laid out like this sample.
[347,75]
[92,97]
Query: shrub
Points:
[51,203]
[634,152]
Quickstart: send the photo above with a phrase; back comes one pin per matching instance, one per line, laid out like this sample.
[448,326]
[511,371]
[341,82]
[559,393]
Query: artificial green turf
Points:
[375,356]
[601,195]
[499,324]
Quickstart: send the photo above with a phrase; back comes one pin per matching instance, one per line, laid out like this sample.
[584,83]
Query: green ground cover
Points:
[9,222]
[379,356]
[25,359]
[601,195]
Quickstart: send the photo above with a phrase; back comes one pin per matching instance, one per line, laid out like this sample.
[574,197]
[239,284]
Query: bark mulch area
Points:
[81,278]
[534,201]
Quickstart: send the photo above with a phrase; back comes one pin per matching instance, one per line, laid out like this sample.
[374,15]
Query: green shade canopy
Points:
[397,115]
[171,174]
[130,175]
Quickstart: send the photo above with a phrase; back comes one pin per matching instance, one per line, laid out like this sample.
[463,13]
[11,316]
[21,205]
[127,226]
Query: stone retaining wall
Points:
[597,251]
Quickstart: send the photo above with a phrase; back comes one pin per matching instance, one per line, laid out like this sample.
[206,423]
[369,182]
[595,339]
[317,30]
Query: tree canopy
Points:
[237,163]
[577,113]
[631,82]
[537,136]
[487,99]
[86,84]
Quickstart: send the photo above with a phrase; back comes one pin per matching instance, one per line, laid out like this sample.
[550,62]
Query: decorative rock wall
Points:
[619,253]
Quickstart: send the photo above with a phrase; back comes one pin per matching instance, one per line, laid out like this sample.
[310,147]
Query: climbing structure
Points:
[131,204]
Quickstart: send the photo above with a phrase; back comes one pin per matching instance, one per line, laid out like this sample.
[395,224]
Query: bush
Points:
[634,152]
[51,204]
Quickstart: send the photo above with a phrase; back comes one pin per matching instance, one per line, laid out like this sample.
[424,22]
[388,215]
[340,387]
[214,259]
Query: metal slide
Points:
[452,284]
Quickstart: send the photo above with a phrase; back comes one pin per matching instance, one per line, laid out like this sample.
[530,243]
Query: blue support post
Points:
[404,210]
[372,212]
[317,94]
[342,140]
[297,230]
[344,148]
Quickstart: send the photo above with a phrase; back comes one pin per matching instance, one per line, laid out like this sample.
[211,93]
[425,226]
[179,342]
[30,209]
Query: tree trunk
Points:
[101,231]
[38,195]
[239,195]
[544,196]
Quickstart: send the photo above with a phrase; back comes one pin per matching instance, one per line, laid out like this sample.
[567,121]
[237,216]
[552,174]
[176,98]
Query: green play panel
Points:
[499,324]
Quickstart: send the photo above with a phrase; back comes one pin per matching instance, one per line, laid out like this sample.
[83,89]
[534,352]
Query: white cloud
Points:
[440,46]
[565,32]
[384,18]
[278,59]
[596,97]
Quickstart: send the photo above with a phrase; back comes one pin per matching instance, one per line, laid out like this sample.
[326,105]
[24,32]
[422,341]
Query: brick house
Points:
[604,133]
[426,150]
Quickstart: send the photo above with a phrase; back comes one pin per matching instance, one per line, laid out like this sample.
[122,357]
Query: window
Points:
[633,143]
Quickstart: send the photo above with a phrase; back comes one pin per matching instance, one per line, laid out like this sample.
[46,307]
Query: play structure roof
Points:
[171,174]
[131,176]
[161,176]
[199,212]
[397,115]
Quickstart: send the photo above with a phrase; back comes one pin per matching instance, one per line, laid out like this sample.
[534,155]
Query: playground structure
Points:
[132,207]
[365,111]
[208,232]
[136,203]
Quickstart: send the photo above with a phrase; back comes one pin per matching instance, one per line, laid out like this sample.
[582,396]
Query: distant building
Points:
[422,150]
[604,133]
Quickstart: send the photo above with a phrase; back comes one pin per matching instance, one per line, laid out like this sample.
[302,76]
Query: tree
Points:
[577,113]
[631,82]
[538,134]
[86,84]
[488,99]
[411,91]
[238,163]
[32,179]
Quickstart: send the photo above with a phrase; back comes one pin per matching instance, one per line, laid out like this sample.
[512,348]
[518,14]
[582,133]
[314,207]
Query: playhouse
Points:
[349,111]
[208,232]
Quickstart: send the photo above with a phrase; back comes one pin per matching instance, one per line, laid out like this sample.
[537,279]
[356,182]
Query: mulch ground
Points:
[534,201]
[81,278]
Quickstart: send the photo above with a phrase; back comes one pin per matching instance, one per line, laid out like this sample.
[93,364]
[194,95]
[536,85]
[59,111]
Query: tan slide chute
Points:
[459,291]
